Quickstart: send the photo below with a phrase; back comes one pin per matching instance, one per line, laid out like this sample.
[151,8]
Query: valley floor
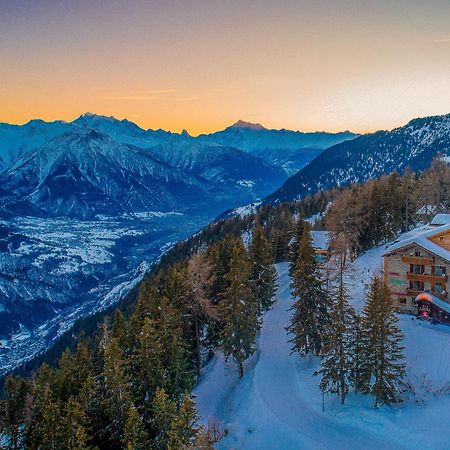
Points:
[278,404]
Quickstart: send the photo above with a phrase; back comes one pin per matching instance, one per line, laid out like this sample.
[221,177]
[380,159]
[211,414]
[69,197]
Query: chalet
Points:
[416,270]
[321,244]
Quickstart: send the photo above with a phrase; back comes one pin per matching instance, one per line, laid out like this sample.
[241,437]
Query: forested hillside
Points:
[370,156]
[127,383]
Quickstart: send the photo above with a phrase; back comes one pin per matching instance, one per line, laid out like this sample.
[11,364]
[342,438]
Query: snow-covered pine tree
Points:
[383,366]
[338,348]
[238,309]
[263,273]
[310,320]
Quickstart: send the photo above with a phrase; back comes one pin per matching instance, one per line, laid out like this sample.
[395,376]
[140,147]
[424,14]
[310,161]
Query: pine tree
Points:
[296,239]
[135,436]
[219,255]
[183,428]
[12,411]
[175,356]
[383,366]
[310,319]
[337,363]
[164,413]
[146,304]
[238,309]
[49,429]
[147,363]
[175,287]
[74,432]
[121,332]
[117,395]
[358,337]
[263,274]
[201,309]
[73,370]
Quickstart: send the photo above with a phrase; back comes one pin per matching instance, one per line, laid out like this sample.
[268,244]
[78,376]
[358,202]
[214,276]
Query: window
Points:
[416,285]
[402,301]
[417,268]
[439,270]
[438,287]
[417,253]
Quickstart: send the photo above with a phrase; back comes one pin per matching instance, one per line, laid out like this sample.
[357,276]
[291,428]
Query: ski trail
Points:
[278,404]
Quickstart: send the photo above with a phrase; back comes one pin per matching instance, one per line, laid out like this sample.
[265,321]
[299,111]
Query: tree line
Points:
[127,383]
[130,386]
[377,211]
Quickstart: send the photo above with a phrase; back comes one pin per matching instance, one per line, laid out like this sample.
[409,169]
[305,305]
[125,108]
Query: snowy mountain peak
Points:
[108,124]
[248,125]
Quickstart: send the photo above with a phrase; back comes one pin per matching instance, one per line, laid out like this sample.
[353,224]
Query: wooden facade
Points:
[413,270]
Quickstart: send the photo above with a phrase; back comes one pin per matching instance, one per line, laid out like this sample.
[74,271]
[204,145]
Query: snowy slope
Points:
[370,156]
[278,404]
[84,172]
[289,150]
[17,140]
[55,270]
[226,167]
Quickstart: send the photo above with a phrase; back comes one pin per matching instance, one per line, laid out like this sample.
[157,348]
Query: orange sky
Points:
[201,65]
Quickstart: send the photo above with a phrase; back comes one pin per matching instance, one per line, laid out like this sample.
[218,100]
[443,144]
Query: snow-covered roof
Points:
[423,240]
[320,239]
[440,219]
[426,209]
[436,300]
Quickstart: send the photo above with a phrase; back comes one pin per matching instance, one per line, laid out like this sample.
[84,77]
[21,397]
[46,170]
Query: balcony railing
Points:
[413,292]
[441,295]
[417,260]
[426,277]
[416,292]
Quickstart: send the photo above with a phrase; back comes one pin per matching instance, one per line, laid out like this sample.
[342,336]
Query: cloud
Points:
[440,41]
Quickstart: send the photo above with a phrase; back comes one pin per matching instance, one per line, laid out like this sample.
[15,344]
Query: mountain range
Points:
[370,156]
[101,165]
[87,206]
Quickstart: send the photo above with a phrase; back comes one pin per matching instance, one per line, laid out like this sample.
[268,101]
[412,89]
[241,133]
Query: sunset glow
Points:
[201,65]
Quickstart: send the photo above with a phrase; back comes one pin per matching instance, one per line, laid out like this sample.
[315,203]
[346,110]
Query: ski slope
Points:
[278,405]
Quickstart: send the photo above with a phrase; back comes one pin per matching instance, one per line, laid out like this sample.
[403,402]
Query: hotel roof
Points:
[440,219]
[423,240]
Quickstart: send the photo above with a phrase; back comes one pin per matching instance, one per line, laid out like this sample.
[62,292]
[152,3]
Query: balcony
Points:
[413,292]
[416,292]
[426,277]
[441,295]
[417,260]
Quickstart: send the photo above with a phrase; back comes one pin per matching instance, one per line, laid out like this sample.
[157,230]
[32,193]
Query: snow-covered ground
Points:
[55,270]
[278,404]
